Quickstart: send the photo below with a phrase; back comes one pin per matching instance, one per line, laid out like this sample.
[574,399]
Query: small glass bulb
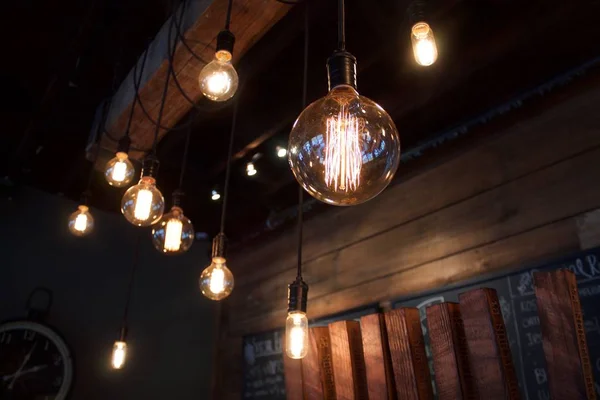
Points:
[81,221]
[344,149]
[423,43]
[174,233]
[119,354]
[281,151]
[216,281]
[250,169]
[119,171]
[143,204]
[296,335]
[215,195]
[218,79]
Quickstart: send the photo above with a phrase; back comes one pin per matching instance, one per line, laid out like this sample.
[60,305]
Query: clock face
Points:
[35,363]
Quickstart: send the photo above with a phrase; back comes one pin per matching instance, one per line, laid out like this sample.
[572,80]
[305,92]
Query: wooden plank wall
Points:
[514,198]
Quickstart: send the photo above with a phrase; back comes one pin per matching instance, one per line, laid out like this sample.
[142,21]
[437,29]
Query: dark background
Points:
[171,328]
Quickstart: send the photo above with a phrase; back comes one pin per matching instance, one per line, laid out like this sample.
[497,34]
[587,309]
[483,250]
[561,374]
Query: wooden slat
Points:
[453,378]
[317,367]
[500,160]
[518,206]
[293,378]
[348,361]
[564,341]
[505,255]
[489,351]
[380,377]
[407,351]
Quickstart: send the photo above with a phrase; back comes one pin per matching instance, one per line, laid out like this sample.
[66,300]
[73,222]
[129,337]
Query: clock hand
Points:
[16,375]
[26,371]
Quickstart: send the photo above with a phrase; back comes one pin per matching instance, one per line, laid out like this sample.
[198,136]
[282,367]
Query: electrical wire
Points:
[186,149]
[228,18]
[134,266]
[341,25]
[229,159]
[304,101]
[160,112]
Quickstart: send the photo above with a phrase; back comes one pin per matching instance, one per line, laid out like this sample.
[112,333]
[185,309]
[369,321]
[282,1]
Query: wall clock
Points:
[35,362]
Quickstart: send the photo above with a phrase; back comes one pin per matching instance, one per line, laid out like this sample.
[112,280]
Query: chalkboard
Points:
[519,309]
[263,358]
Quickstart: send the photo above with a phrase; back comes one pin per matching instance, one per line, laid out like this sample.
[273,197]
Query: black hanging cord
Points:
[228,19]
[185,153]
[228,169]
[160,112]
[341,25]
[134,266]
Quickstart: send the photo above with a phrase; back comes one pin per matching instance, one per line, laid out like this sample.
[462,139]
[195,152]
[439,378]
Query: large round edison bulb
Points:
[119,171]
[143,204]
[216,281]
[296,334]
[218,79]
[423,44]
[119,354]
[81,221]
[174,233]
[344,148]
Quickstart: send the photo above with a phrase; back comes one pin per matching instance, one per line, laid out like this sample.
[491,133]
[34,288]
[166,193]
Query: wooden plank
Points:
[450,354]
[489,351]
[317,367]
[502,159]
[292,370]
[407,351]
[520,205]
[348,360]
[564,341]
[380,376]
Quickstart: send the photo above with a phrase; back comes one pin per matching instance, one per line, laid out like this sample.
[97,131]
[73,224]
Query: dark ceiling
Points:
[490,51]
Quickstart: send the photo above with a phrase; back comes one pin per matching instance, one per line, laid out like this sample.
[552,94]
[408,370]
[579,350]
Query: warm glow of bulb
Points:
[218,83]
[250,170]
[143,205]
[217,281]
[343,159]
[81,222]
[119,354]
[218,79]
[281,152]
[119,171]
[296,327]
[173,235]
[423,42]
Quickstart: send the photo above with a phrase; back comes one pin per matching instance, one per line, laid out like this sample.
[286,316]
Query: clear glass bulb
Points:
[119,171]
[119,355]
[174,233]
[423,43]
[216,281]
[218,79]
[344,149]
[296,335]
[81,221]
[143,204]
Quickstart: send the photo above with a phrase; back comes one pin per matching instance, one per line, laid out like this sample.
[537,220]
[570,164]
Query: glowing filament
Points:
[425,52]
[217,281]
[119,354]
[81,222]
[119,171]
[296,327]
[296,341]
[343,159]
[143,205]
[173,235]
[218,83]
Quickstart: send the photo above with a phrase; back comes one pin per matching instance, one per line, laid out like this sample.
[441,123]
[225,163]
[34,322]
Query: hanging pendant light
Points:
[344,148]
[119,350]
[143,204]
[216,281]
[421,35]
[218,79]
[174,233]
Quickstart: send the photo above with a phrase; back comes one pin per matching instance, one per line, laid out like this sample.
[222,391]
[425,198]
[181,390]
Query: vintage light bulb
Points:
[119,354]
[81,221]
[344,148]
[250,169]
[219,79]
[281,151]
[174,233]
[119,171]
[296,334]
[423,43]
[143,204]
[216,281]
